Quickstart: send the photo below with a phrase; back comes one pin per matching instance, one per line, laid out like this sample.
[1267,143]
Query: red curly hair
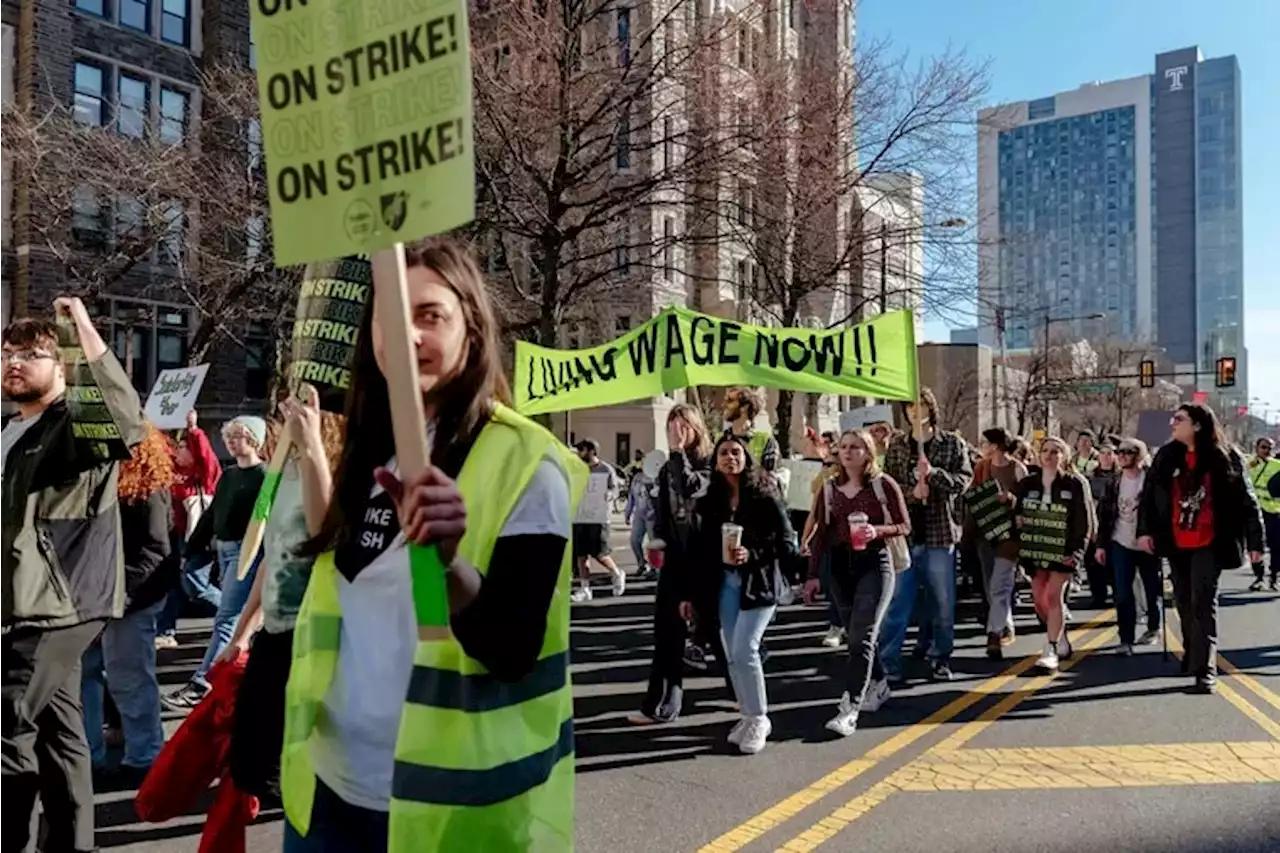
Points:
[150,470]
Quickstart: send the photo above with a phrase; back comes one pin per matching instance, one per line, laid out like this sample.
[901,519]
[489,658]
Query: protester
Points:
[883,433]
[682,481]
[933,476]
[123,659]
[1264,474]
[1022,452]
[741,406]
[591,526]
[195,480]
[1118,503]
[380,728]
[639,514]
[830,448]
[231,511]
[63,579]
[860,573]
[1086,457]
[742,578]
[1103,477]
[297,514]
[999,561]
[1056,483]
[1199,512]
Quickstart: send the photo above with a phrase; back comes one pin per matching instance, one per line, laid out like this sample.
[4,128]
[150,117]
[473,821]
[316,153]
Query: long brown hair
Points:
[463,405]
[871,468]
[692,418]
[149,470]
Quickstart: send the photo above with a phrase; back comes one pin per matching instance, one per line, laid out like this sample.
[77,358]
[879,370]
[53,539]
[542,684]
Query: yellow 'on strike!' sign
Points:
[366,121]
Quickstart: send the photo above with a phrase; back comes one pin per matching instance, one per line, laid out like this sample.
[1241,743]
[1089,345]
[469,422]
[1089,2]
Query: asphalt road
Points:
[1110,754]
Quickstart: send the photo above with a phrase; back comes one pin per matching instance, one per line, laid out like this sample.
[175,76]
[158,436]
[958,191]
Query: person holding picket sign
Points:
[1056,483]
[463,743]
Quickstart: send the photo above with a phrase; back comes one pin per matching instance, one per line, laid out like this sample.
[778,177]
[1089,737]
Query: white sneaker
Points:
[877,694]
[834,637]
[1048,658]
[619,583]
[1149,638]
[582,593]
[736,733]
[845,722]
[754,735]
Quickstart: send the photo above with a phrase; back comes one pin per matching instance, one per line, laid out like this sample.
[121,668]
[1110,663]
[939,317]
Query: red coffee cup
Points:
[655,553]
[858,531]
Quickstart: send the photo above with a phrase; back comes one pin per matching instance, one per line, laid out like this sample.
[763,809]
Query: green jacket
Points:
[63,561]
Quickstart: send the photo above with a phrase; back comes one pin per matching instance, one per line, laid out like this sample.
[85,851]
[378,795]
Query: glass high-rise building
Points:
[1120,199]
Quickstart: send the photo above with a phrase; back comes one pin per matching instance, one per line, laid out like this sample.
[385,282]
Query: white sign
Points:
[173,395]
[800,486]
[1174,76]
[865,416]
[594,506]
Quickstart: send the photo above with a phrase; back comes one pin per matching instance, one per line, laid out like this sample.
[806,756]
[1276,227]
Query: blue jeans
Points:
[639,527]
[741,631]
[935,570]
[231,601]
[125,659]
[1126,564]
[337,827]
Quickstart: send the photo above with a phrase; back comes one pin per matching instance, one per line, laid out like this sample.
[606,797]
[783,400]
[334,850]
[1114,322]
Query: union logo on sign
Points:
[395,208]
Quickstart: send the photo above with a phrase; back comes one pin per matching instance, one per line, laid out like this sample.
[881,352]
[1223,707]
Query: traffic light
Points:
[1226,376]
[1200,397]
[1241,411]
[1147,374]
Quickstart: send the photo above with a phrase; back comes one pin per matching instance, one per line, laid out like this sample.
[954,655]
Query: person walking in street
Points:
[195,481]
[63,572]
[682,481]
[933,475]
[1056,483]
[1264,474]
[465,743]
[857,512]
[232,507]
[591,527]
[999,560]
[741,407]
[1086,457]
[1199,512]
[1102,478]
[639,514]
[742,575]
[1118,502]
[123,660]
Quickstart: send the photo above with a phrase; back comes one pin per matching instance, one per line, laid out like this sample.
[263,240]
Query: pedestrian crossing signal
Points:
[1147,374]
[1226,376]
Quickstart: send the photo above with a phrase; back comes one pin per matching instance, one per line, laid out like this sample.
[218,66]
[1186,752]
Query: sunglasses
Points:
[1127,451]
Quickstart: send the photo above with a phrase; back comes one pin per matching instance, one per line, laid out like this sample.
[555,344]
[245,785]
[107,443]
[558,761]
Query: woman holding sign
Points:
[1056,522]
[999,555]
[463,743]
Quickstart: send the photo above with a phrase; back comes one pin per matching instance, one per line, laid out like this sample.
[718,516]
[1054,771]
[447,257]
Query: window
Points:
[744,203]
[173,21]
[755,50]
[622,155]
[621,256]
[135,14]
[173,116]
[624,36]
[668,45]
[93,7]
[147,337]
[90,101]
[668,249]
[741,282]
[173,231]
[791,14]
[258,360]
[131,219]
[744,45]
[622,324]
[87,227]
[131,112]
[667,143]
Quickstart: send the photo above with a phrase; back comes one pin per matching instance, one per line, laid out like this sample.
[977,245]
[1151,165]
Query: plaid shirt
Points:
[952,472]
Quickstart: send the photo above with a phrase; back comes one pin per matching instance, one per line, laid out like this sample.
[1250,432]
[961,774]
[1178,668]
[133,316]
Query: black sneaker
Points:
[1203,687]
[185,699]
[1274,586]
[995,650]
[695,657]
[941,671]
[1256,586]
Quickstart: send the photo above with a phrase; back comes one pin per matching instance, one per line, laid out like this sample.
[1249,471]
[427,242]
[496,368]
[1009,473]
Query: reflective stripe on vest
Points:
[1261,479]
[480,764]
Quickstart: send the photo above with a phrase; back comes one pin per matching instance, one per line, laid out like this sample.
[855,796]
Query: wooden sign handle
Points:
[409,425]
[257,528]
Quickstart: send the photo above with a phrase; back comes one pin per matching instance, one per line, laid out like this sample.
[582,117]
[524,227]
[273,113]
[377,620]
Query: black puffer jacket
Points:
[766,534]
[150,570]
[1236,516]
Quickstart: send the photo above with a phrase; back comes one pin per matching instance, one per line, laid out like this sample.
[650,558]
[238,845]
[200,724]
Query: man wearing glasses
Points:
[1264,473]
[62,573]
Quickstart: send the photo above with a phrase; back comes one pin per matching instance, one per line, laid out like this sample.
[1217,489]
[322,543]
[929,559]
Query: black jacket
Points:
[766,534]
[1073,490]
[1237,518]
[150,570]
[1108,501]
[681,482]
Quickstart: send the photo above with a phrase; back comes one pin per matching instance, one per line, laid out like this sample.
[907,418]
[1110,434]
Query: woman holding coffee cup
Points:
[744,536]
[856,512]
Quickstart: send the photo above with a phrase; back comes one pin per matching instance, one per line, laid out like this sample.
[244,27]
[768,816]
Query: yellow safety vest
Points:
[1261,477]
[480,765]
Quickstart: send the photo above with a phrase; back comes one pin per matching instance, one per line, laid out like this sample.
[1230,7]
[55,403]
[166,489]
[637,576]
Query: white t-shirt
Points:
[354,747]
[1126,532]
[15,429]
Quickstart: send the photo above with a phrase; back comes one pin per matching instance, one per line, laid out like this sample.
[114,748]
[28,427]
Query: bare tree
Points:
[957,398]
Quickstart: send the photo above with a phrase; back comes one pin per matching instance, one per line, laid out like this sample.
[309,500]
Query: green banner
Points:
[1043,532]
[366,121]
[994,518]
[680,348]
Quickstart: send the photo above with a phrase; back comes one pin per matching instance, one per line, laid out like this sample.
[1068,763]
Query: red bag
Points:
[193,759]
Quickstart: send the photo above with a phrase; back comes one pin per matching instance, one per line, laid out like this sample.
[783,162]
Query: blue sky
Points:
[1044,46]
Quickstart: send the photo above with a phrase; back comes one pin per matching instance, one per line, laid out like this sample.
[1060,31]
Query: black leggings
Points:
[669,634]
[862,584]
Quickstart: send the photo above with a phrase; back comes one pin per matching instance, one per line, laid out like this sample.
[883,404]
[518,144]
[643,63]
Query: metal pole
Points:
[884,267]
[1044,386]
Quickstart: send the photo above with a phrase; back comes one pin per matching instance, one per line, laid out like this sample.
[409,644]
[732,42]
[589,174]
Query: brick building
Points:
[133,66]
